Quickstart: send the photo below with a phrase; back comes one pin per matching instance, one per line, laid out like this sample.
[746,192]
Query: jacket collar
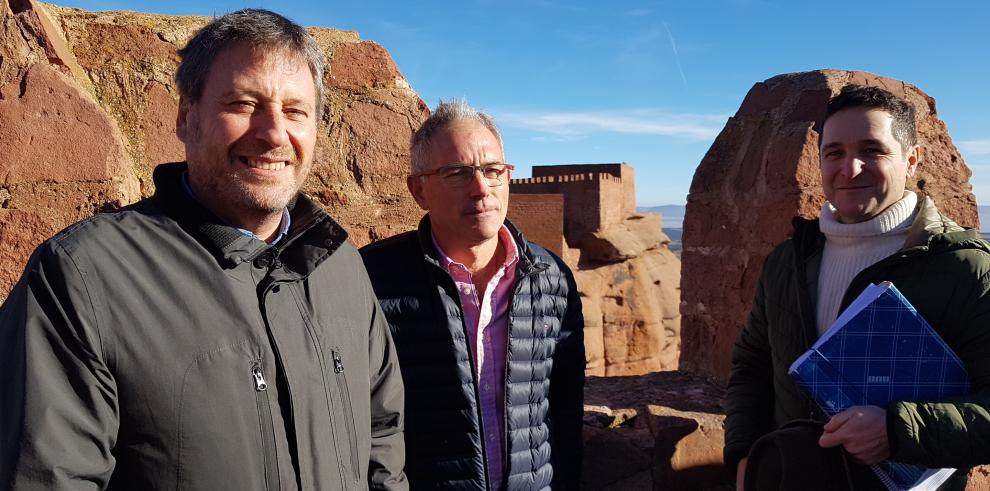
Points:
[931,224]
[314,236]
[529,261]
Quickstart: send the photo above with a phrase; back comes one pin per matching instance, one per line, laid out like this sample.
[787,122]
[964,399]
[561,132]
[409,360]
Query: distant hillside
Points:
[673,215]
[673,223]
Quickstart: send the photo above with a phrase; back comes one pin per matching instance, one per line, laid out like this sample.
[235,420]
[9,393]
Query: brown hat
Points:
[790,458]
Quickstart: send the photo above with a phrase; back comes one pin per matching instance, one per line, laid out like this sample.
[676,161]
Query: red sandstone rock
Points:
[762,170]
[631,314]
[652,432]
[53,132]
[626,240]
[88,103]
[362,151]
[627,276]
[979,479]
[357,66]
[63,154]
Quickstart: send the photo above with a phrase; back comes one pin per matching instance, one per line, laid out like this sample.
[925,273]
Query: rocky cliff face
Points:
[658,431]
[761,171]
[629,279]
[88,104]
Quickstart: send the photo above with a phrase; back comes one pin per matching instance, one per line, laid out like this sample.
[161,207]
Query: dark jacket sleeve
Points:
[388,451]
[749,394]
[58,406]
[567,392]
[954,433]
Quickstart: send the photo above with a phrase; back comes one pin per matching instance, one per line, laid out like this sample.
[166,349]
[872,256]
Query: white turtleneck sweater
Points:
[853,247]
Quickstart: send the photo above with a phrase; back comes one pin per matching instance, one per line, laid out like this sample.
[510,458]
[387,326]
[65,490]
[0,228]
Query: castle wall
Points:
[541,218]
[596,195]
[628,178]
[614,198]
[582,208]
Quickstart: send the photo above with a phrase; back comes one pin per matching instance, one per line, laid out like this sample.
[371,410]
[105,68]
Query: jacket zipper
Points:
[267,431]
[506,469]
[474,377]
[345,400]
[507,453]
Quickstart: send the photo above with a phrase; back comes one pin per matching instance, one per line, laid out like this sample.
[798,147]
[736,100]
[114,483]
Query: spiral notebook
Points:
[881,350]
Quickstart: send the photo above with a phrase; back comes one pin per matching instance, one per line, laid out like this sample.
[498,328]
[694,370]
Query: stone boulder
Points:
[91,102]
[664,431]
[64,156]
[761,171]
[651,432]
[627,275]
[625,240]
[631,313]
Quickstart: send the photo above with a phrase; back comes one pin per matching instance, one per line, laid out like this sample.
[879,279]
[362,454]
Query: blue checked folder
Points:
[878,351]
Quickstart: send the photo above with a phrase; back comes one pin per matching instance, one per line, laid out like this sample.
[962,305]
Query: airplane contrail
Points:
[677,57]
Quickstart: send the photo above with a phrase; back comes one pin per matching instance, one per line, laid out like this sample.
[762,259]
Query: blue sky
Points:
[651,83]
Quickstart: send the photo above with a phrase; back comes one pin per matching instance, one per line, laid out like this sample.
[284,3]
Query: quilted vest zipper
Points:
[267,430]
[474,377]
[345,400]
[507,457]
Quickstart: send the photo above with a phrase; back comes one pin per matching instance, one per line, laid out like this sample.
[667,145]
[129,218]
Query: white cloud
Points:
[555,138]
[690,126]
[976,147]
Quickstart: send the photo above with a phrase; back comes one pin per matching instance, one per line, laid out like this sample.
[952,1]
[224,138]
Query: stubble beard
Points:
[265,197]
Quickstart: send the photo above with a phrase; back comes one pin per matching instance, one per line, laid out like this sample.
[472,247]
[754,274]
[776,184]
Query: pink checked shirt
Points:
[487,322]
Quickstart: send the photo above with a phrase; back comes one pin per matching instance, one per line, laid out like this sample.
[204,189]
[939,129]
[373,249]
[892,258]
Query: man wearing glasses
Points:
[487,326]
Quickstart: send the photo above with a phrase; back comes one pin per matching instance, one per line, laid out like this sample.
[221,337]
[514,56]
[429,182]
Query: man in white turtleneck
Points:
[865,163]
[871,229]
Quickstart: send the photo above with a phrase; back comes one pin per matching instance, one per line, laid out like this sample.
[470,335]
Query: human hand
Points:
[862,431]
[741,474]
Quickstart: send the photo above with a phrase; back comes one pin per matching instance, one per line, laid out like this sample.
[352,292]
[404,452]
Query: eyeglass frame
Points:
[476,168]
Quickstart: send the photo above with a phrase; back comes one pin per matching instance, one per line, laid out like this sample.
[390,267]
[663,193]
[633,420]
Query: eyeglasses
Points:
[463,174]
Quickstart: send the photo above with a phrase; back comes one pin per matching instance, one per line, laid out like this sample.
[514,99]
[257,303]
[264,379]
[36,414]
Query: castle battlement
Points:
[594,196]
[568,178]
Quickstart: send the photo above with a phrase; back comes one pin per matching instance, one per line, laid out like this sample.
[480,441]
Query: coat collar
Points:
[314,236]
[529,261]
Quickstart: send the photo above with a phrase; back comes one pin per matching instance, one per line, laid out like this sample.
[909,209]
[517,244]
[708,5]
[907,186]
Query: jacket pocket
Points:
[266,425]
[345,403]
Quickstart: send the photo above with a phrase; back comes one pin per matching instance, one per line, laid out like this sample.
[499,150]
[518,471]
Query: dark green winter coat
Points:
[942,269]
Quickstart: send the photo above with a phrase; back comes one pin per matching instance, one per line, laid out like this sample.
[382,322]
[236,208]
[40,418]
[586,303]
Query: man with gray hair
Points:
[200,338]
[488,327]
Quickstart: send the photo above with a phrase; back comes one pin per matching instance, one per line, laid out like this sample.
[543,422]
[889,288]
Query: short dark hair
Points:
[901,111]
[259,28]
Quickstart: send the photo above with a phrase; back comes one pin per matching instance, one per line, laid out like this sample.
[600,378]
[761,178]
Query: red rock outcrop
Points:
[64,156]
[88,106]
[627,276]
[628,280]
[663,431]
[762,170]
[651,432]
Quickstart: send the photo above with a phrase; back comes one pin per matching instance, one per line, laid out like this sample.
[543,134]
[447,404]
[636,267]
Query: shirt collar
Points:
[504,237]
[283,228]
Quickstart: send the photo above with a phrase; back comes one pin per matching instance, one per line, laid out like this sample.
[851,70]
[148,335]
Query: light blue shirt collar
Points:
[283,228]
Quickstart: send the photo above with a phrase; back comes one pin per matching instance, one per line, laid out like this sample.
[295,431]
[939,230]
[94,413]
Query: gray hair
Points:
[446,114]
[259,28]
